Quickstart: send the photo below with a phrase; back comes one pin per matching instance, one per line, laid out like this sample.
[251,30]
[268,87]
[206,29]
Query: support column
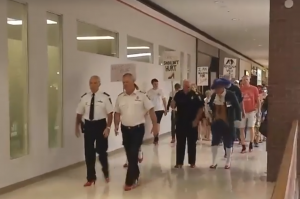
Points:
[284,80]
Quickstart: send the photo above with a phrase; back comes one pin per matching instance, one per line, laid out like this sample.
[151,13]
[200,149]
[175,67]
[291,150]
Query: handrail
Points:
[286,185]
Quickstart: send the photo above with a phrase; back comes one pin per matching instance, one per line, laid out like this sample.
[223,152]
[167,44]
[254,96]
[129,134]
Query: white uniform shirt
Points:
[156,96]
[133,107]
[102,105]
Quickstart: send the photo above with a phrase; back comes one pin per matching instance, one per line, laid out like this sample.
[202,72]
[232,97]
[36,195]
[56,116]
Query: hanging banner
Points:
[202,76]
[171,63]
[229,68]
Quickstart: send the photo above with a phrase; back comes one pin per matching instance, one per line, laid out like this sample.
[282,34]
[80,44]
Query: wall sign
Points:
[171,63]
[118,70]
[202,76]
[229,68]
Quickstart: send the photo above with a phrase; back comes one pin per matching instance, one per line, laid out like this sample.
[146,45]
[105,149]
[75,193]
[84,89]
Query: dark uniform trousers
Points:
[93,132]
[173,123]
[220,130]
[186,133]
[132,141]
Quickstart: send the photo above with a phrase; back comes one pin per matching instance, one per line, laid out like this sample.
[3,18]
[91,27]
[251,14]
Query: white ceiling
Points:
[248,34]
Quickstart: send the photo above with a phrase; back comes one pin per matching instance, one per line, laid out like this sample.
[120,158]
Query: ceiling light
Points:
[138,47]
[217,2]
[51,22]
[16,22]
[139,55]
[95,38]
[259,45]
[234,19]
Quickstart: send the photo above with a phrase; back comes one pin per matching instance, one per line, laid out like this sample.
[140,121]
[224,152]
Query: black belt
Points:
[133,127]
[95,121]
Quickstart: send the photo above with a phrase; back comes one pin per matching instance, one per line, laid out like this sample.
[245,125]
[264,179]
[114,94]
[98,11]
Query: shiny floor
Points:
[245,180]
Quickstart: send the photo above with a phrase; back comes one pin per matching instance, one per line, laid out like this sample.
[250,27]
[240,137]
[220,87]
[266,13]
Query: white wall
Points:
[78,67]
[244,65]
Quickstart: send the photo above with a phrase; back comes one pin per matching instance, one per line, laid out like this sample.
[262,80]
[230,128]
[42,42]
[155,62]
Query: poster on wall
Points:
[202,76]
[229,68]
[118,70]
[171,63]
[259,77]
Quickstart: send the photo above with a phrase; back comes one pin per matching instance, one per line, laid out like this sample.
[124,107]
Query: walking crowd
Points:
[225,114]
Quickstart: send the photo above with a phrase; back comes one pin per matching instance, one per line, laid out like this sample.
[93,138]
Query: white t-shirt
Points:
[156,97]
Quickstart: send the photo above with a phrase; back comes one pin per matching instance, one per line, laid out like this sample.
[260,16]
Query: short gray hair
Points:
[96,77]
[129,75]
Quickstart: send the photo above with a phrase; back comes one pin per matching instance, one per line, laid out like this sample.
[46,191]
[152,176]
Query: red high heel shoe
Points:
[227,166]
[243,149]
[213,166]
[89,183]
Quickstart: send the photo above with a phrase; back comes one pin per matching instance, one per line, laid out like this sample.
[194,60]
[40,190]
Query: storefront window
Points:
[161,50]
[18,78]
[139,50]
[93,39]
[54,30]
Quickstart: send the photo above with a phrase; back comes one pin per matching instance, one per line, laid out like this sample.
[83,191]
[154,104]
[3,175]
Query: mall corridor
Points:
[98,76]
[245,180]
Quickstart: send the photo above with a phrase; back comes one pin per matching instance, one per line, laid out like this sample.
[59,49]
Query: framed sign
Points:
[202,76]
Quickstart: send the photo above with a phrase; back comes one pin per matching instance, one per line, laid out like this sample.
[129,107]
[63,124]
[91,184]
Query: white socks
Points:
[228,158]
[214,151]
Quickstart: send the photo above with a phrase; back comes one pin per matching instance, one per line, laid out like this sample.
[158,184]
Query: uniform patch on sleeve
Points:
[106,94]
[83,95]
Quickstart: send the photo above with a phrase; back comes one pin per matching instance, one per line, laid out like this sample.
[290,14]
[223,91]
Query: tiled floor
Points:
[245,180]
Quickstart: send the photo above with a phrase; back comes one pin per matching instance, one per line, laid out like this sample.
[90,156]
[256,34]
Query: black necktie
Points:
[92,107]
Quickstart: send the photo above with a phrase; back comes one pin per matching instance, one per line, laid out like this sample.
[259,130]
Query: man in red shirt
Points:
[250,111]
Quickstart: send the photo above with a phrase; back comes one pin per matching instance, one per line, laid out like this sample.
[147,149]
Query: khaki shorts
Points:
[249,119]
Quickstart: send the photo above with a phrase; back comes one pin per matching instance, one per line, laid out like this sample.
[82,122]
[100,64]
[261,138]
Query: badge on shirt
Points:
[137,98]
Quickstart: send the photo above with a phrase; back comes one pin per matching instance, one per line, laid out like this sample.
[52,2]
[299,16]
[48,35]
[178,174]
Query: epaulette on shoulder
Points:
[142,92]
[83,95]
[106,94]
[120,93]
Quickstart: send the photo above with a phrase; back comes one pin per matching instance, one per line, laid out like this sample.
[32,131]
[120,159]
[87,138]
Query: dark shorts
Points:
[159,115]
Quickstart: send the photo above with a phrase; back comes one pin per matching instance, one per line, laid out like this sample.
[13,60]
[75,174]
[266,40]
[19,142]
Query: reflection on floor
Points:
[245,180]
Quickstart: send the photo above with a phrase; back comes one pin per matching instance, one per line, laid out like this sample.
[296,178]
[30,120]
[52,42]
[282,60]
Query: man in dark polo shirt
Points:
[189,111]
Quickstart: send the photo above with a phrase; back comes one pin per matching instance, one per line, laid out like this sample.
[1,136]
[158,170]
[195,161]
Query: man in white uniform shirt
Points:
[130,108]
[94,115]
[158,99]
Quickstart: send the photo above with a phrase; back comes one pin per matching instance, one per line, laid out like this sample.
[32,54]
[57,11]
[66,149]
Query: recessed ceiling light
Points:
[234,19]
[217,2]
[259,45]
[254,39]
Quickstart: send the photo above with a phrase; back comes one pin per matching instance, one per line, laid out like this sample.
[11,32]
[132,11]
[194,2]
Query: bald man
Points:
[95,110]
[189,106]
